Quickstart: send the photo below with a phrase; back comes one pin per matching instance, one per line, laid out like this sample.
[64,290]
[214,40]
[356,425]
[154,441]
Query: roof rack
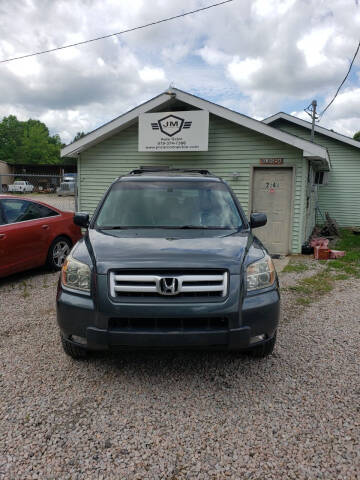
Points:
[145,169]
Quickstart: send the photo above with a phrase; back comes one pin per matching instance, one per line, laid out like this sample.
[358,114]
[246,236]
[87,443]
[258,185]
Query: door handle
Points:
[2,235]
[45,227]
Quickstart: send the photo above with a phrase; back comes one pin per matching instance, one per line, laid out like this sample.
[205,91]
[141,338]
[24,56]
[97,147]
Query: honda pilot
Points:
[168,260]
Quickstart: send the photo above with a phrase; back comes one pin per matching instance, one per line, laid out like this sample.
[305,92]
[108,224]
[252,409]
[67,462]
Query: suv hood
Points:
[127,249]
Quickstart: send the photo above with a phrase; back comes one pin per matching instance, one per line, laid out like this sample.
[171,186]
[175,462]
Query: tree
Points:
[37,145]
[357,136]
[11,132]
[78,136]
[28,142]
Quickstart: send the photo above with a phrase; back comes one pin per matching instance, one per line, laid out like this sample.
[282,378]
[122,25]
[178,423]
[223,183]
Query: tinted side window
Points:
[14,210]
[2,219]
[45,211]
[22,210]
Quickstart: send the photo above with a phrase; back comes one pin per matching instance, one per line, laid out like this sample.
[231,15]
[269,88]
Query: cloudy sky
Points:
[256,57]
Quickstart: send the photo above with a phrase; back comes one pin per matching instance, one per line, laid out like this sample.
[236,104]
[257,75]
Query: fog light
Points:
[77,339]
[257,338]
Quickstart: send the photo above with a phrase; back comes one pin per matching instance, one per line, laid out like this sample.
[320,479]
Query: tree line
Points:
[29,142]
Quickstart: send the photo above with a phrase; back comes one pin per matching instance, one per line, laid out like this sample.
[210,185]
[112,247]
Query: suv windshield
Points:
[169,204]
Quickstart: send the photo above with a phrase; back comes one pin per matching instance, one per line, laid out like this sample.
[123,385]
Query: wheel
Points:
[4,188]
[77,353]
[58,251]
[262,351]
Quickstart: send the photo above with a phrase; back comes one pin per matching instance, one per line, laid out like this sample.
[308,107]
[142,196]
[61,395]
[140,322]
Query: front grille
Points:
[169,284]
[168,324]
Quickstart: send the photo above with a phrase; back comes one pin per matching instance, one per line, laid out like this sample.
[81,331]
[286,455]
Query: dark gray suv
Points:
[168,260]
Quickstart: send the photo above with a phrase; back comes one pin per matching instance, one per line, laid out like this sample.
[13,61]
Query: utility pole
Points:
[311,111]
[314,105]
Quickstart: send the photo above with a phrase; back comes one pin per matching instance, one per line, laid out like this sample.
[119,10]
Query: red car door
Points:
[24,237]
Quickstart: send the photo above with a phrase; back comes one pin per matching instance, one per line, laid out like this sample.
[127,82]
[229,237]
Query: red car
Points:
[33,234]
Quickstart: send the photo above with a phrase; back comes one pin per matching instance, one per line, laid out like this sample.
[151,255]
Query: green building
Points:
[339,190]
[269,169]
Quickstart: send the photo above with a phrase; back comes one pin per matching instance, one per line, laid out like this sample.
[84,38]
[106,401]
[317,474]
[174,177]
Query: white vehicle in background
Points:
[68,185]
[20,186]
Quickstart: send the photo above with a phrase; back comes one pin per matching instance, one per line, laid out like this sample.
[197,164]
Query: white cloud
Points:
[272,8]
[28,67]
[255,57]
[151,74]
[212,56]
[243,71]
[175,53]
[312,45]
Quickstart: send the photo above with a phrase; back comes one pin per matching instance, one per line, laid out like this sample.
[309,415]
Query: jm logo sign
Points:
[171,125]
[179,131]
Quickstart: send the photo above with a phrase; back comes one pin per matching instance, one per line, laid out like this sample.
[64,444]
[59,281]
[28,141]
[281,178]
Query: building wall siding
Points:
[231,149]
[312,196]
[341,197]
[5,170]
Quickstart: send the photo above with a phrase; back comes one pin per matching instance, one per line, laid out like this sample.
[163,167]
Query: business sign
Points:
[174,131]
[271,161]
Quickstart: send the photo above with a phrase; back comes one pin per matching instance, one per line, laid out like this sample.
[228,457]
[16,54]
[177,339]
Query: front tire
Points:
[77,353]
[262,351]
[58,251]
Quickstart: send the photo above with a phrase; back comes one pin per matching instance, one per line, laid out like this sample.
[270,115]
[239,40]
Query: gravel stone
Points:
[179,415]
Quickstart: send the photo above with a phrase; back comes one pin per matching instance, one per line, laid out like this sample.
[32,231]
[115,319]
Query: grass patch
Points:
[348,241]
[303,301]
[310,289]
[318,284]
[341,276]
[295,268]
[350,263]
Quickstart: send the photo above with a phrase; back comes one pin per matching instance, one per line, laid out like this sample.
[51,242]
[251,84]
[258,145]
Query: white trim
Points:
[305,124]
[107,130]
[247,122]
[310,149]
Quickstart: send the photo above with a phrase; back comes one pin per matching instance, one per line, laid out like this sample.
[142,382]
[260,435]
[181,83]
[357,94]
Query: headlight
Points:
[260,274]
[76,275]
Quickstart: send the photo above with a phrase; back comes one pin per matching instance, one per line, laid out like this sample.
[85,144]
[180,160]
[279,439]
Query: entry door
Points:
[272,194]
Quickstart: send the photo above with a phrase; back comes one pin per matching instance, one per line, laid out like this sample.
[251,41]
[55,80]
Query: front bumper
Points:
[78,316]
[104,339]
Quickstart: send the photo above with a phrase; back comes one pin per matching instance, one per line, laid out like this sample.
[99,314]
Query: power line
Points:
[342,83]
[117,33]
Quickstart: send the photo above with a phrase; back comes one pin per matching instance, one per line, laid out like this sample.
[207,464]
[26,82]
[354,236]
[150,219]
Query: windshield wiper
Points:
[204,227]
[115,227]
[168,227]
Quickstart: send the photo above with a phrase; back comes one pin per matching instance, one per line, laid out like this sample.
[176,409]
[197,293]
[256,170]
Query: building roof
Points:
[308,125]
[166,99]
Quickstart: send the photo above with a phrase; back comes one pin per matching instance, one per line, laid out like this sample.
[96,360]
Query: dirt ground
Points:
[180,415]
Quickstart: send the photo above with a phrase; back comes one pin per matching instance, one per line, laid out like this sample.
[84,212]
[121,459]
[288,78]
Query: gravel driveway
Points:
[179,415]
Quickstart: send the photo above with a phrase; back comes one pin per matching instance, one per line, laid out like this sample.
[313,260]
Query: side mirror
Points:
[81,219]
[257,220]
